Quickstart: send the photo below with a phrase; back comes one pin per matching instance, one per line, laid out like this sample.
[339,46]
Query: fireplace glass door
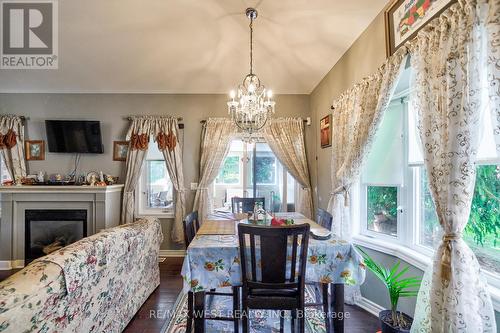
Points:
[50,230]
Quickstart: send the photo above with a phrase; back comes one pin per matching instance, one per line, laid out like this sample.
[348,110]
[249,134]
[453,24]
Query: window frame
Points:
[141,193]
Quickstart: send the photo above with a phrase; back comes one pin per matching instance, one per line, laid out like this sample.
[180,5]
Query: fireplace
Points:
[51,229]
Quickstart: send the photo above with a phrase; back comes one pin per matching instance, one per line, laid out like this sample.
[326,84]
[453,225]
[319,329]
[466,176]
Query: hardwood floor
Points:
[152,315]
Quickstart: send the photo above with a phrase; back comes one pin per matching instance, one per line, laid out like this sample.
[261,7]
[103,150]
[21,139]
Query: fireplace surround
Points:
[101,206]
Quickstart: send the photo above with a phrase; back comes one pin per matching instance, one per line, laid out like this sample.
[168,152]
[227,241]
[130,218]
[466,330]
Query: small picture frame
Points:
[120,150]
[404,18]
[325,130]
[35,150]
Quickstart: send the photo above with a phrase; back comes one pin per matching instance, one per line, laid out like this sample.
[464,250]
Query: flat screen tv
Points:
[74,136]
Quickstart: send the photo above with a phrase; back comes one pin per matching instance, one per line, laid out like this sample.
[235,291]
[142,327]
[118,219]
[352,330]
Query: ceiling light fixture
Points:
[251,105]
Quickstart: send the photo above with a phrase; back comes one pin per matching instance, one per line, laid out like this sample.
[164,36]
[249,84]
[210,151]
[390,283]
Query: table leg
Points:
[338,307]
[199,312]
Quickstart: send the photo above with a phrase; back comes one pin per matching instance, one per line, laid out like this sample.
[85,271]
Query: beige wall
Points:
[110,109]
[362,59]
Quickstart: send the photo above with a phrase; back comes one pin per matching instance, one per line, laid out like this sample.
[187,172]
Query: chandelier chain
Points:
[251,45]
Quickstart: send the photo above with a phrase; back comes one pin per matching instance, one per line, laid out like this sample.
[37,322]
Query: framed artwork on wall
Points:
[404,18]
[35,150]
[325,129]
[120,150]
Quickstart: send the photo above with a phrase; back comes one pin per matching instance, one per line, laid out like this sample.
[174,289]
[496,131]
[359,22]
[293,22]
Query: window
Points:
[481,232]
[155,190]
[395,199]
[252,170]
[4,173]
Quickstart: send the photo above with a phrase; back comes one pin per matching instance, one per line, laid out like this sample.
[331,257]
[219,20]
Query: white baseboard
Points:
[7,265]
[172,253]
[369,306]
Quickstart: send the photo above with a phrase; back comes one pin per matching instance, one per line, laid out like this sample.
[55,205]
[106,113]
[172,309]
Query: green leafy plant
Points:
[397,285]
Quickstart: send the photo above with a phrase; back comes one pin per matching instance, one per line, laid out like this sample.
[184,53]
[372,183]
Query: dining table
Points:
[212,261]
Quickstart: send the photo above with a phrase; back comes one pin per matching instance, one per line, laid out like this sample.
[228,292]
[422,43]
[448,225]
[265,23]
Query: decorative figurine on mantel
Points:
[40,177]
[93,180]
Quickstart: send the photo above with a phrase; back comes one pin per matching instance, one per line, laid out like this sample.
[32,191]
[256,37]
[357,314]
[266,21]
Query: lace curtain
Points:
[448,58]
[164,130]
[356,117]
[285,136]
[12,145]
[216,139]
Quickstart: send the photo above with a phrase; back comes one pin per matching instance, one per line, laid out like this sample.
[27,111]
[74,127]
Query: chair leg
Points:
[302,321]
[199,312]
[326,306]
[236,309]
[338,308]
[292,322]
[282,321]
[244,320]
[189,324]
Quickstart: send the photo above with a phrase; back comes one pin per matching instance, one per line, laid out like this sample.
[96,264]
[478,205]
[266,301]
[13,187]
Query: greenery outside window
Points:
[230,171]
[382,209]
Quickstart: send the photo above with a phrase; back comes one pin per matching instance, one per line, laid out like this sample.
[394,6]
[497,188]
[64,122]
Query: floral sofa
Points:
[94,285]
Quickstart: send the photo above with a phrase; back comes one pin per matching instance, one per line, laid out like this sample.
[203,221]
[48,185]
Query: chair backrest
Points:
[190,226]
[324,219]
[245,205]
[274,247]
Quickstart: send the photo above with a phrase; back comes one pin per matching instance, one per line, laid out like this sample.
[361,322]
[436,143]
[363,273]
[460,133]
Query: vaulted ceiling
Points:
[195,46]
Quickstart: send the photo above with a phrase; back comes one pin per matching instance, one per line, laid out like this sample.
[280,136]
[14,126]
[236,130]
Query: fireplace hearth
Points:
[48,230]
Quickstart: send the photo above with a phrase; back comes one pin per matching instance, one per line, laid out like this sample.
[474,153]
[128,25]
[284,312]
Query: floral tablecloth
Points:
[213,261]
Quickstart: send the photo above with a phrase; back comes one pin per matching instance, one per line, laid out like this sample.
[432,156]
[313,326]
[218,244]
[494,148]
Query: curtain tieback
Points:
[342,190]
[446,256]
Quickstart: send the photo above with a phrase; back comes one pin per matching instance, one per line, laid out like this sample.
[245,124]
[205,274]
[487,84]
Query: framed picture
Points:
[120,150]
[404,18]
[35,150]
[325,128]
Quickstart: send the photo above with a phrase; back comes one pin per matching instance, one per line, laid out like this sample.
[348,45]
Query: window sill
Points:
[157,215]
[414,258]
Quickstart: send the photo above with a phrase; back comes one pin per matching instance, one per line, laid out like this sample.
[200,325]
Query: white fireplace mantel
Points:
[102,204]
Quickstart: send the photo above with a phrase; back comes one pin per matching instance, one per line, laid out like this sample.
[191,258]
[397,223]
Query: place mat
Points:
[220,227]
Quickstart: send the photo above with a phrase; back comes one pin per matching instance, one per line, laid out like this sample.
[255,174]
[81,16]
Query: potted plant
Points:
[393,321]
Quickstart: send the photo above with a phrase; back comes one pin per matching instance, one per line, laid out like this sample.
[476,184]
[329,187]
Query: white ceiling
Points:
[195,46]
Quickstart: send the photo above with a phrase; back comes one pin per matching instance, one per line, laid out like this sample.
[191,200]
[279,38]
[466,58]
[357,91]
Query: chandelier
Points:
[251,105]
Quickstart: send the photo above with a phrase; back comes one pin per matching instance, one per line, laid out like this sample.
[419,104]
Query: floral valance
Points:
[11,127]
[161,128]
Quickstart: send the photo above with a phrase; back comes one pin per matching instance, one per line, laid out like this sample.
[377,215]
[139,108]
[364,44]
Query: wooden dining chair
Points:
[245,205]
[324,219]
[277,287]
[191,225]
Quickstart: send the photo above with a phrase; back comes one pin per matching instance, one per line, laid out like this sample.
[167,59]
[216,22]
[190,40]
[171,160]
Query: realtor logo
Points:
[29,34]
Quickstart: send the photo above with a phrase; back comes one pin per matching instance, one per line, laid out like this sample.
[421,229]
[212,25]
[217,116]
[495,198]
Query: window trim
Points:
[141,196]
